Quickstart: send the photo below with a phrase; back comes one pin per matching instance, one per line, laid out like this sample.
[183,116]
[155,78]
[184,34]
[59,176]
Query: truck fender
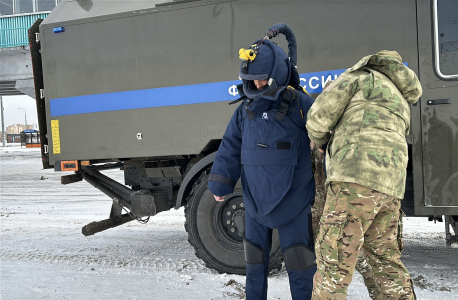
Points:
[192,175]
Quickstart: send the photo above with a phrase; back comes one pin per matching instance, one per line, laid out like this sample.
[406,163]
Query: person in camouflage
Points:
[320,181]
[362,266]
[320,189]
[367,110]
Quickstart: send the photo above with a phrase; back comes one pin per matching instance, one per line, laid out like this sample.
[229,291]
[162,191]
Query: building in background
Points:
[16,17]
[17,128]
[20,7]
[13,138]
[30,138]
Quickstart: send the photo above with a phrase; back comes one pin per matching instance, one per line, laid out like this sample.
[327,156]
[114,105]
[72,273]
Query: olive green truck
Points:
[144,87]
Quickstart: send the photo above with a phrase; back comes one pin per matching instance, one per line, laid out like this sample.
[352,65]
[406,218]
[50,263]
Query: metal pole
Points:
[25,112]
[3,123]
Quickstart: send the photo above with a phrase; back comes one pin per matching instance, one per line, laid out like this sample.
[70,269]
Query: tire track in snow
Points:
[133,263]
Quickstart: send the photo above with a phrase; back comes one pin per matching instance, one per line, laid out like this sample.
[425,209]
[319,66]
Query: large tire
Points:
[212,233]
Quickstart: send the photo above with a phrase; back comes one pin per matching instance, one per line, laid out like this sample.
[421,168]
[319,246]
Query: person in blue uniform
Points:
[266,145]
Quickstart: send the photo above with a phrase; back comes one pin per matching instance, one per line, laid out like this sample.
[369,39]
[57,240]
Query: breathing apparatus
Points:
[265,60]
[292,52]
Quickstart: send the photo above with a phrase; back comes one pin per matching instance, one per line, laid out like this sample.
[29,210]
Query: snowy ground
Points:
[43,254]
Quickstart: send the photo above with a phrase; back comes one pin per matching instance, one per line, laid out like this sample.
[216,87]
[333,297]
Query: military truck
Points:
[144,87]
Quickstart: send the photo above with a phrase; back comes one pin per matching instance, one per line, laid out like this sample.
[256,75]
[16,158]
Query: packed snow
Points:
[43,254]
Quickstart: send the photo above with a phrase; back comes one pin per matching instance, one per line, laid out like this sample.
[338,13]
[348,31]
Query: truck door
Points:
[437,110]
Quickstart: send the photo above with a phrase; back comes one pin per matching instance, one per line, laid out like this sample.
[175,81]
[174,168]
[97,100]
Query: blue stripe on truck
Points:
[177,95]
[168,96]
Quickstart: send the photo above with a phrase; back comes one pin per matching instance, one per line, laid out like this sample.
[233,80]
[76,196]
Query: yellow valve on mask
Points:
[247,54]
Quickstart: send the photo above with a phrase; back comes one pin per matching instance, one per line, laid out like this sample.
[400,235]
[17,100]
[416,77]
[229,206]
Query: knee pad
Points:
[253,255]
[299,257]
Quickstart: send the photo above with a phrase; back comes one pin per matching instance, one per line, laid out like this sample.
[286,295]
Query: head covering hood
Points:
[271,63]
[389,63]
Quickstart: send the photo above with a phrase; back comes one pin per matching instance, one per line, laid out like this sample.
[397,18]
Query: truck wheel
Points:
[212,231]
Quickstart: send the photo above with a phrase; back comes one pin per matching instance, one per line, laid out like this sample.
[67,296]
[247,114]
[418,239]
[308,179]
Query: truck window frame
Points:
[436,44]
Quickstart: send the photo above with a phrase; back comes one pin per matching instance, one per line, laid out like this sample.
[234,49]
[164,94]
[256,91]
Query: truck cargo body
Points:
[148,84]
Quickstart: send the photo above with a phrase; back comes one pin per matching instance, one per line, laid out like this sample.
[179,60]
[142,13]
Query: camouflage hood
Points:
[389,63]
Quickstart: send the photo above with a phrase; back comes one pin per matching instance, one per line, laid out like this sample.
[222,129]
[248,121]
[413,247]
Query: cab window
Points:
[446,38]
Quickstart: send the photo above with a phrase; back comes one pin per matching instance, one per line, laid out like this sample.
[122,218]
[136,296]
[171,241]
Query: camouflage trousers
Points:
[362,266]
[357,219]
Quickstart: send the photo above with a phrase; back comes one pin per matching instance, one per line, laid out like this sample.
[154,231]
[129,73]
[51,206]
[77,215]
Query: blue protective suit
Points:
[273,159]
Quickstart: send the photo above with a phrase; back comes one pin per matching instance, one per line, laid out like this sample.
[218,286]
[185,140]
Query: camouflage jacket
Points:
[367,110]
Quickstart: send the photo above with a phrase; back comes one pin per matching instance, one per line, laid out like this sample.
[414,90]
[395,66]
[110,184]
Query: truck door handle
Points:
[439,101]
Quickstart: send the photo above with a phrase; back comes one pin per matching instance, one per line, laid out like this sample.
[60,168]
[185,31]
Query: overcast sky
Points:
[13,115]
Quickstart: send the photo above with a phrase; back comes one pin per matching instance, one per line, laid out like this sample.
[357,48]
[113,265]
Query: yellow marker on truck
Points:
[55,136]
